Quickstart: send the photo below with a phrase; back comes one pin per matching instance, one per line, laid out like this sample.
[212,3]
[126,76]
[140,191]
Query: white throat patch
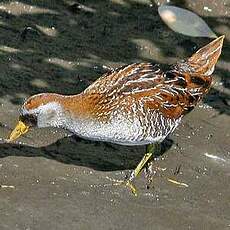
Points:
[50,114]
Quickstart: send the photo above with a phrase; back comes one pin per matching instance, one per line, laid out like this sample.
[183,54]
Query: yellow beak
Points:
[19,130]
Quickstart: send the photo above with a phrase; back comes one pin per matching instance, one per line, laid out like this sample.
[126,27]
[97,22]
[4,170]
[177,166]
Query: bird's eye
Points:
[29,119]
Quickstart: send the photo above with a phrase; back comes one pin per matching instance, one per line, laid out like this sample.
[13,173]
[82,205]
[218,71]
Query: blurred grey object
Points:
[185,22]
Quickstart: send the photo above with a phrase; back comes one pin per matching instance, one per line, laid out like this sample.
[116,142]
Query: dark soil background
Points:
[52,181]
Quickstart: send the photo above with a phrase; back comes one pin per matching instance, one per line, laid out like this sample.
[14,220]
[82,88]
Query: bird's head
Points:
[41,110]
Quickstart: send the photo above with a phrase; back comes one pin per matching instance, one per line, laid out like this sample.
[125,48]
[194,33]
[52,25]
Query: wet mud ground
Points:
[51,180]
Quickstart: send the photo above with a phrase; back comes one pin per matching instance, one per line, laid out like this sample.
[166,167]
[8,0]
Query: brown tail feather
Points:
[204,60]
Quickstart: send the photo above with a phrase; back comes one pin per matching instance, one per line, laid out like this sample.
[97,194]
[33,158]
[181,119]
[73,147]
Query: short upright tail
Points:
[204,60]
[194,74]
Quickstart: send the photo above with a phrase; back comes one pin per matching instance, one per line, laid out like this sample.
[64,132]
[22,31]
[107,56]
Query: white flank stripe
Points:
[169,81]
[167,91]
[159,97]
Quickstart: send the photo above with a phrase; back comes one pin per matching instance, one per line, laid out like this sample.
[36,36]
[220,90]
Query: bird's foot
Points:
[126,182]
[130,186]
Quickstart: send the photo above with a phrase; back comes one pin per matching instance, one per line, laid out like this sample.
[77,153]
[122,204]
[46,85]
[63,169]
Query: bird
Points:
[136,104]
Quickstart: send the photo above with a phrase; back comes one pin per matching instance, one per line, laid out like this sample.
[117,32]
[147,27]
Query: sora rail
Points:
[137,104]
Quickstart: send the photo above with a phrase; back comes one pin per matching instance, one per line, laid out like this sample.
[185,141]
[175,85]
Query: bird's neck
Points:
[79,113]
[73,111]
[79,106]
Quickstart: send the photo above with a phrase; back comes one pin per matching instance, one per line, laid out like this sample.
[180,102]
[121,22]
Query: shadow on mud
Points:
[74,150]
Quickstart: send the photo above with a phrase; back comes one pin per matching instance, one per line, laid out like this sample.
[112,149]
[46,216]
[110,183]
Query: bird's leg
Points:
[149,152]
[140,166]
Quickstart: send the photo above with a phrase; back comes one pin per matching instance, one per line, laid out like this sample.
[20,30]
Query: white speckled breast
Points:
[124,129]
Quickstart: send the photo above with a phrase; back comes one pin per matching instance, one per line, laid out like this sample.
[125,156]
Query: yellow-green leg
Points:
[149,153]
